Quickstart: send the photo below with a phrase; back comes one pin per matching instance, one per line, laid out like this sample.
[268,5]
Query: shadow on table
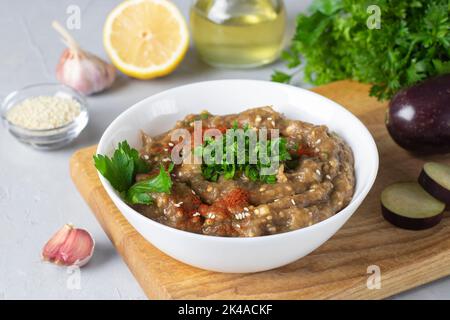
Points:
[102,255]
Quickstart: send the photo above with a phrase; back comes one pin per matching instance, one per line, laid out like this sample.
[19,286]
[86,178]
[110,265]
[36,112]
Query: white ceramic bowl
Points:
[159,113]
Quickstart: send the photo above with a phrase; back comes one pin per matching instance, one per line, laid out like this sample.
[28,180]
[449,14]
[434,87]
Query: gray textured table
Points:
[36,194]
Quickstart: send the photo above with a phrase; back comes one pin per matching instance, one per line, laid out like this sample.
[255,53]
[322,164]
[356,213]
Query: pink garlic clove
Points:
[51,248]
[69,246]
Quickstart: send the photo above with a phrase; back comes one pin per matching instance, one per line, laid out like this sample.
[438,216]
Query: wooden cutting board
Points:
[337,270]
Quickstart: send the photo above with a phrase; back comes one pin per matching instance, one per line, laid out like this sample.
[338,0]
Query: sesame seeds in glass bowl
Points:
[45,116]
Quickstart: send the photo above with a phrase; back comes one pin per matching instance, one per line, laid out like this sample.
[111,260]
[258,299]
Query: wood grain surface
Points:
[337,270]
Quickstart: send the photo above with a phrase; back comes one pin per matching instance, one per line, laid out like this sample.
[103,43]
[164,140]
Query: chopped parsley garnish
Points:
[235,159]
[121,170]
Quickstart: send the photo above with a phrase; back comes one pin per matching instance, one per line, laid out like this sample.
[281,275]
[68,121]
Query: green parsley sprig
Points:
[333,42]
[121,170]
[140,192]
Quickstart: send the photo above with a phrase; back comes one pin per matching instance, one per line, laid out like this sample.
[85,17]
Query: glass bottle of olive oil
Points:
[238,33]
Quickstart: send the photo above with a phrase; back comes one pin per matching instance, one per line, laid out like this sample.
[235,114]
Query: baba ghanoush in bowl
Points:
[237,175]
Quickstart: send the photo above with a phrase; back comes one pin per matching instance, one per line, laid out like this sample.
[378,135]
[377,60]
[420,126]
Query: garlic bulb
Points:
[82,70]
[69,247]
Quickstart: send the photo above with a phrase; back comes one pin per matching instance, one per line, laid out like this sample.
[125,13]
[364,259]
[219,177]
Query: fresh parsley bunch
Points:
[335,42]
[229,168]
[121,170]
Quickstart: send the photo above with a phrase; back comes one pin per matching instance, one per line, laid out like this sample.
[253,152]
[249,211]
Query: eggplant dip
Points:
[314,179]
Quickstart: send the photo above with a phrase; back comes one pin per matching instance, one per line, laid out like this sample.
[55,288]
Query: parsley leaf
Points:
[333,42]
[282,77]
[121,169]
[140,192]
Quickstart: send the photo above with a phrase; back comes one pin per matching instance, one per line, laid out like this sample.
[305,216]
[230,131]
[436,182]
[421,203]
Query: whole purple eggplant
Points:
[418,118]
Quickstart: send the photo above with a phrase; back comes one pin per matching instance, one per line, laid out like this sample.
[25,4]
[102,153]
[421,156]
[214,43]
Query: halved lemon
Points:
[146,38]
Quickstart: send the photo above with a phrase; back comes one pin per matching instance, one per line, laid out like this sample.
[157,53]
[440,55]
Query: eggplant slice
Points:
[435,179]
[407,205]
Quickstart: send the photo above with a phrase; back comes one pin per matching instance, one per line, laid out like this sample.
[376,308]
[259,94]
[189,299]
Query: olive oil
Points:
[238,33]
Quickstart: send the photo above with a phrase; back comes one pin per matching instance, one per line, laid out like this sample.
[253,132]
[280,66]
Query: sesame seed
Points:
[178,204]
[318,141]
[166,160]
[245,209]
[146,157]
[328,177]
[196,214]
[269,118]
[273,123]
[170,144]
[238,226]
[293,202]
[193,192]
[165,149]
[258,118]
[44,112]
[262,189]
[310,213]
[318,172]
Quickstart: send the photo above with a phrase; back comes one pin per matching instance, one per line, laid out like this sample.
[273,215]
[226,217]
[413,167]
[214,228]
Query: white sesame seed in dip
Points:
[44,112]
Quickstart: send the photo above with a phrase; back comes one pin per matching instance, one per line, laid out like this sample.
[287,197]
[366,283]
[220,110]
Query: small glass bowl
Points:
[46,139]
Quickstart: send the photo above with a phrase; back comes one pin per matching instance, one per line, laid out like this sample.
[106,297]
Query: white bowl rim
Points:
[354,202]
